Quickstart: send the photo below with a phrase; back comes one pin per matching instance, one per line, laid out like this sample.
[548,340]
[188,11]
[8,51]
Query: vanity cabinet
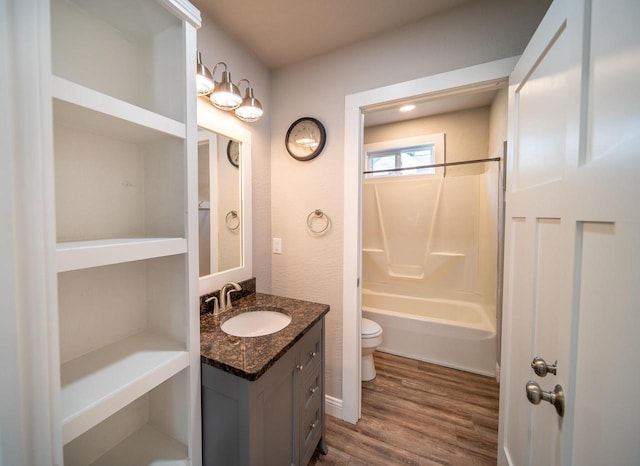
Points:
[124,176]
[275,420]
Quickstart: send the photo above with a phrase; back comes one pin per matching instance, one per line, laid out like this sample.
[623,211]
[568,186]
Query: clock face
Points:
[305,138]
[233,153]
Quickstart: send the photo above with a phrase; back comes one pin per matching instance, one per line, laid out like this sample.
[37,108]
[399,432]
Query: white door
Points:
[572,242]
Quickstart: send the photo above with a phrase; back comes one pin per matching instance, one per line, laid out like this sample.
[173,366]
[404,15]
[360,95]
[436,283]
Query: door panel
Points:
[537,285]
[607,421]
[550,327]
[517,426]
[572,251]
[615,96]
[541,106]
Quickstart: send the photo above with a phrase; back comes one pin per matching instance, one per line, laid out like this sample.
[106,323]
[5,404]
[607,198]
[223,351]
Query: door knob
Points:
[535,394]
[541,368]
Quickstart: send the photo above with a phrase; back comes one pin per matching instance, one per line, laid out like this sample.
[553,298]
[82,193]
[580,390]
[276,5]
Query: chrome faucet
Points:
[225,295]
[216,308]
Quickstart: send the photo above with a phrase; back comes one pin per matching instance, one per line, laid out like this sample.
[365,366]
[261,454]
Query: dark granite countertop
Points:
[251,357]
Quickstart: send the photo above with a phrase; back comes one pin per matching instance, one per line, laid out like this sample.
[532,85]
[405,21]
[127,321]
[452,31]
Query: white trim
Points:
[457,81]
[507,458]
[29,420]
[183,10]
[351,296]
[194,429]
[333,406]
[436,138]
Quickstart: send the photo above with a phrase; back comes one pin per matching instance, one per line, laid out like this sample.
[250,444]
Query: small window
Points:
[404,157]
[397,157]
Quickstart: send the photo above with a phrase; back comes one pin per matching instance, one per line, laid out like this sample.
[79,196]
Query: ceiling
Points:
[282,32]
[428,105]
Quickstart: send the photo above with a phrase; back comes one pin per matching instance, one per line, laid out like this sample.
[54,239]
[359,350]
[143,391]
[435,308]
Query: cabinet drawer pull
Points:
[300,367]
[312,390]
[312,426]
[312,354]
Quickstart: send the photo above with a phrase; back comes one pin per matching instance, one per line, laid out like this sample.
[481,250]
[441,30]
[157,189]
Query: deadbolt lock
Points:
[541,368]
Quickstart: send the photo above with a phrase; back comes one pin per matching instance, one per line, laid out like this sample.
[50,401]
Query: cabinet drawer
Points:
[310,431]
[310,352]
[312,390]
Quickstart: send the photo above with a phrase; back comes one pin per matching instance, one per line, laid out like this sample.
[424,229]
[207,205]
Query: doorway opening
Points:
[372,112]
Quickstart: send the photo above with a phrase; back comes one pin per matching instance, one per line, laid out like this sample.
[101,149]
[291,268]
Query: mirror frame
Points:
[212,120]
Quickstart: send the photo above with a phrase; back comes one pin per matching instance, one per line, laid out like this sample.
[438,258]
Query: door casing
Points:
[469,79]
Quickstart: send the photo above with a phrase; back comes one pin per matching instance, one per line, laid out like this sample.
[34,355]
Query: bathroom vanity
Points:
[263,397]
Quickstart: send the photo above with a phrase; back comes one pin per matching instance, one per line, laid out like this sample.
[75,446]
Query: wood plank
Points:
[417,413]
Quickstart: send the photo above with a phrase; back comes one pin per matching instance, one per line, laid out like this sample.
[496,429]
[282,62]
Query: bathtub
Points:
[455,334]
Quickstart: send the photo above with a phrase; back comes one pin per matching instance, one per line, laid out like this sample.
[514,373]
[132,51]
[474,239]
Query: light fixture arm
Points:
[245,80]
[215,67]
[248,93]
[225,95]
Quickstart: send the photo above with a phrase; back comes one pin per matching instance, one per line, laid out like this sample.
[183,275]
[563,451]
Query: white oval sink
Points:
[255,323]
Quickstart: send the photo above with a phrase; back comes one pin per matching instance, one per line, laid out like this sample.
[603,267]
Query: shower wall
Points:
[430,235]
[436,236]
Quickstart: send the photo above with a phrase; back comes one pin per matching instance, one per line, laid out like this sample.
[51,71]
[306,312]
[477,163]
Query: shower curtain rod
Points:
[435,165]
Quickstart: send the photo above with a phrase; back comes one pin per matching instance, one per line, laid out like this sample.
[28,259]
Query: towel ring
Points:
[318,214]
[232,220]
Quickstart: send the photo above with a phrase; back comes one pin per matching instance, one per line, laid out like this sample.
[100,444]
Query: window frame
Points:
[399,145]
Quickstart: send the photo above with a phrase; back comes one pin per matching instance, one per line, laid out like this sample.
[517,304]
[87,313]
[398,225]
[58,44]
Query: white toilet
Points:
[371,339]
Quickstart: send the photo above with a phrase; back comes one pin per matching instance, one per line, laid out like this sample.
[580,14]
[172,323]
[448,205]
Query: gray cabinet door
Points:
[274,416]
[276,420]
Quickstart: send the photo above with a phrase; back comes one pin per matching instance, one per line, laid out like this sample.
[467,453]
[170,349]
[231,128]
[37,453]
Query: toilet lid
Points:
[369,328]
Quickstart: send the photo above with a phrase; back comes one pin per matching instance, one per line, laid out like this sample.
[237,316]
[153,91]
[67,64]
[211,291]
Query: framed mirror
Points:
[224,199]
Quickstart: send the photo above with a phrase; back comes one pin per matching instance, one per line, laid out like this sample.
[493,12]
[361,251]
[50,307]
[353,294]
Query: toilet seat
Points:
[370,329]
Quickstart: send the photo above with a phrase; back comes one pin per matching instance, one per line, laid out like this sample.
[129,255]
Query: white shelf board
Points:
[75,255]
[98,384]
[81,106]
[447,254]
[147,446]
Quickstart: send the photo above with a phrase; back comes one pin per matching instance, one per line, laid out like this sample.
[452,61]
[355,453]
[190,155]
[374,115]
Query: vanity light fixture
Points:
[250,109]
[225,95]
[204,78]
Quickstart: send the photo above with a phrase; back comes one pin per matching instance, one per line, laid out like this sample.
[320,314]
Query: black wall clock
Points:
[305,138]
[233,153]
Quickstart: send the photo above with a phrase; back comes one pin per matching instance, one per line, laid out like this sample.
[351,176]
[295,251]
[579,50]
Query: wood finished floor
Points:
[416,413]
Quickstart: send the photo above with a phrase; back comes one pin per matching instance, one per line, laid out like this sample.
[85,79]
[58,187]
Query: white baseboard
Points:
[333,406]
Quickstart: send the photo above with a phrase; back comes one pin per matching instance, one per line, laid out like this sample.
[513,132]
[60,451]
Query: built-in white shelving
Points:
[147,446]
[447,254]
[98,384]
[76,255]
[121,84]
[81,105]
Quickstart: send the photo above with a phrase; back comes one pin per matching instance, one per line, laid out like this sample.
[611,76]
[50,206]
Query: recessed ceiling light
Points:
[407,108]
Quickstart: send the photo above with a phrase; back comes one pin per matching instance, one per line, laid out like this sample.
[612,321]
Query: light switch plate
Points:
[277,245]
